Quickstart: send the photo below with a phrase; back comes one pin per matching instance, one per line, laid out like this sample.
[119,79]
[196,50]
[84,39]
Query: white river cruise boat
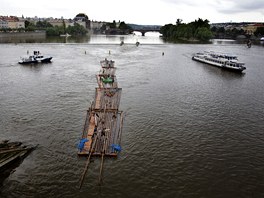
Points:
[224,61]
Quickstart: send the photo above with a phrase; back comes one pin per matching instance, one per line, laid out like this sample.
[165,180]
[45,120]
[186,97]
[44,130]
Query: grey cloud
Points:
[240,6]
[224,6]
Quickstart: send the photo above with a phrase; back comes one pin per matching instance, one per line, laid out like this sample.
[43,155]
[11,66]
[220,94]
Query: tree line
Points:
[198,30]
[114,28]
[56,30]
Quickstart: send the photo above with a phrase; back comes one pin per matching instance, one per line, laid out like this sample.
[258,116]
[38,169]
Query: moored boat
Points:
[224,61]
[65,35]
[11,155]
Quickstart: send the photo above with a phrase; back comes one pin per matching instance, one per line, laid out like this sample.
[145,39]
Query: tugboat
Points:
[35,58]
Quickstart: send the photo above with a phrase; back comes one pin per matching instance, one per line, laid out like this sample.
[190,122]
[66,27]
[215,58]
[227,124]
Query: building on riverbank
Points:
[12,22]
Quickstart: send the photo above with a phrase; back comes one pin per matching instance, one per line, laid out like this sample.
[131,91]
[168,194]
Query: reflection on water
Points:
[22,39]
[127,39]
[150,38]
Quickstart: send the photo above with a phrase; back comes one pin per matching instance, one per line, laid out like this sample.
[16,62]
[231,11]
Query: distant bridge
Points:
[143,30]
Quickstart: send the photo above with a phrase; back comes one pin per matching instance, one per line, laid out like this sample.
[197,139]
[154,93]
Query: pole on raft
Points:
[87,164]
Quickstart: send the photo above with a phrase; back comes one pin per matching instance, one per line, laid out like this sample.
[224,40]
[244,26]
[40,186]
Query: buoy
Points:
[162,53]
[109,52]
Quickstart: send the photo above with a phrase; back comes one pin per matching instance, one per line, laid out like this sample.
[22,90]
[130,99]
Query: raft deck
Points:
[103,124]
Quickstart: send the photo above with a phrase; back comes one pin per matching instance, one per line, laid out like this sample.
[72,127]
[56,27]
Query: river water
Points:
[191,130]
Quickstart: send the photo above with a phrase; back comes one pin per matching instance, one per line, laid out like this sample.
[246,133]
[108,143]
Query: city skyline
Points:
[155,12]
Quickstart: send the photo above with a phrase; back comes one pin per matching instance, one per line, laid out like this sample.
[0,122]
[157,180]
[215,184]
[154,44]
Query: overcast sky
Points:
[146,12]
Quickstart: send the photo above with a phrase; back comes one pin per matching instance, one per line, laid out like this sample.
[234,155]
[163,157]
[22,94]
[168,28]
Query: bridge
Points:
[146,28]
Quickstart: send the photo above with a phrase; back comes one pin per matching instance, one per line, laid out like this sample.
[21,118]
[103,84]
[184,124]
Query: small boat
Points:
[224,61]
[65,35]
[262,39]
[37,57]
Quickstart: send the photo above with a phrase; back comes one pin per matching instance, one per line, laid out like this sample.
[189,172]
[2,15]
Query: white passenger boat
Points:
[224,61]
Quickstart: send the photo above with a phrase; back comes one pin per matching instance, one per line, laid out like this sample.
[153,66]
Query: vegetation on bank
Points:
[75,30]
[259,32]
[198,30]
[114,28]
[235,33]
[222,33]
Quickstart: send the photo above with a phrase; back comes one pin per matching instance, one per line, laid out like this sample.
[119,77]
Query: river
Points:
[191,130]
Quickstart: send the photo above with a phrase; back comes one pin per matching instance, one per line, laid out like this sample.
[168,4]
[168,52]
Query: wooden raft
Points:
[103,124]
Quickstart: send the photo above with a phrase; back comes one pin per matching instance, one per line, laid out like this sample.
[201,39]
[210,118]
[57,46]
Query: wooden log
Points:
[87,164]
[102,160]
[120,129]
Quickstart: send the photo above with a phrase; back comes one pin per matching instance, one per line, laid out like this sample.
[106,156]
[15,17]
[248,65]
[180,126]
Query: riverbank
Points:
[21,37]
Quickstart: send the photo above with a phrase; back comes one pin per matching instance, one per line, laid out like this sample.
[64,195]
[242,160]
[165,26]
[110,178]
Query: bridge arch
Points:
[144,31]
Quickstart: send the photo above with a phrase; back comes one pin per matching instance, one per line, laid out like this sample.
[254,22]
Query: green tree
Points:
[198,29]
[77,29]
[114,24]
[30,26]
[178,21]
[124,26]
[43,24]
[203,34]
[54,31]
[259,31]
[64,26]
[27,23]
